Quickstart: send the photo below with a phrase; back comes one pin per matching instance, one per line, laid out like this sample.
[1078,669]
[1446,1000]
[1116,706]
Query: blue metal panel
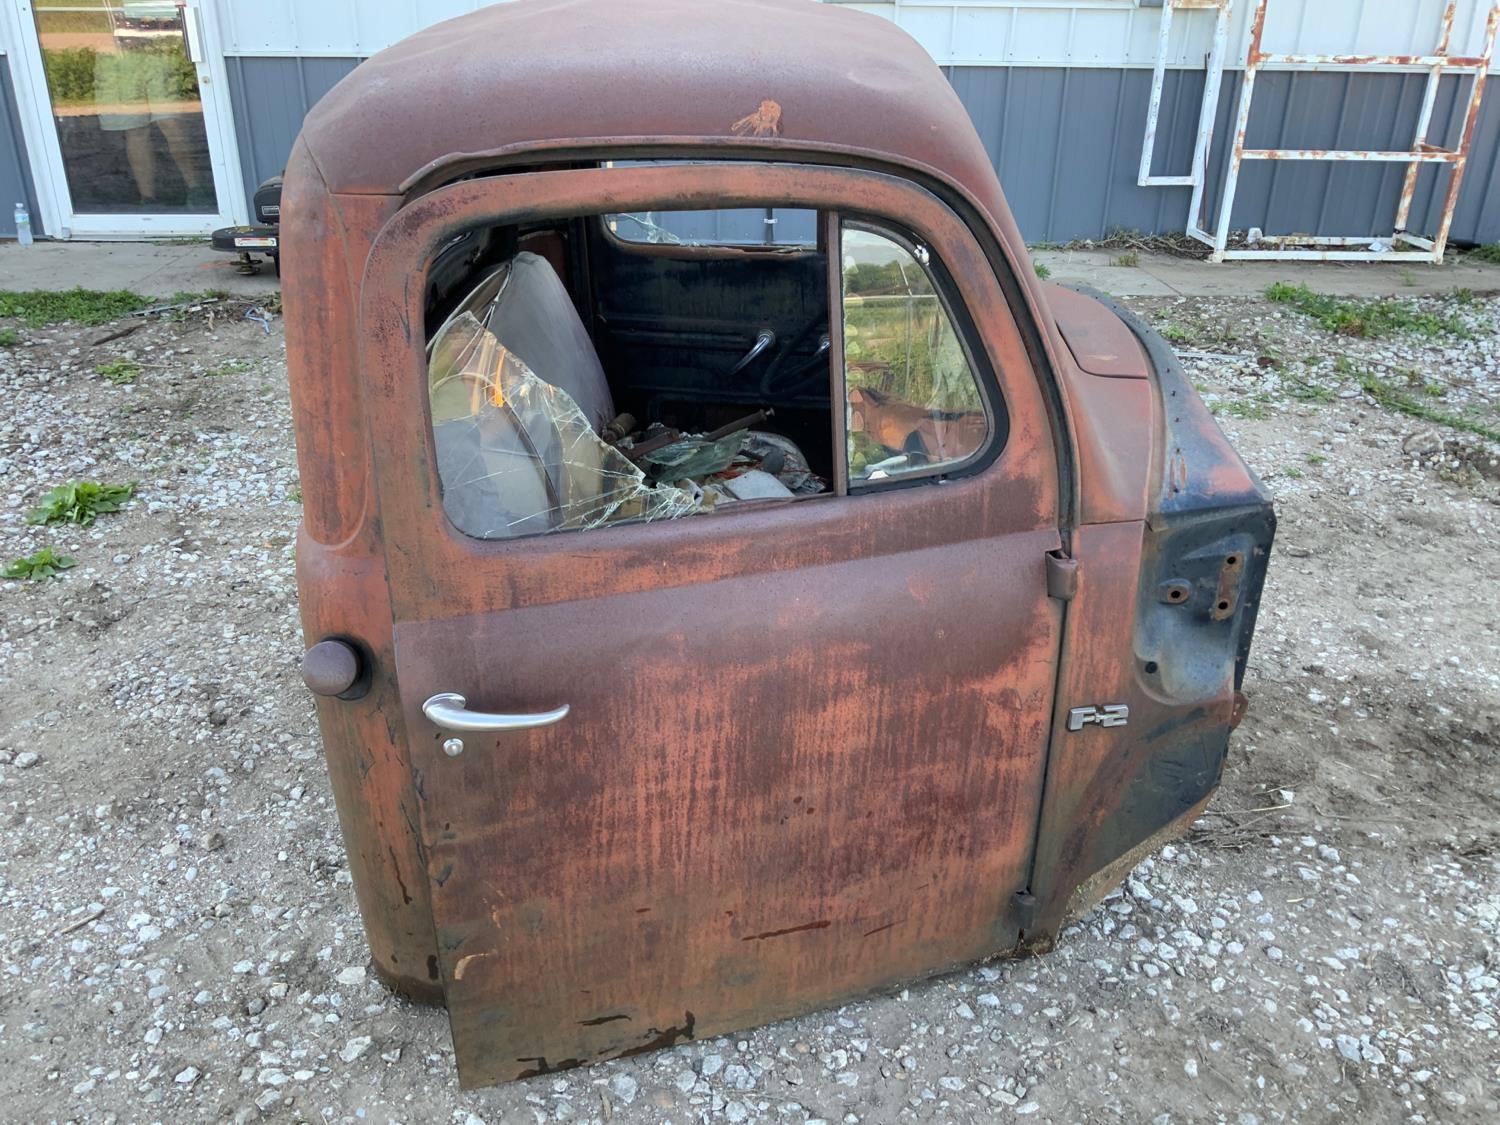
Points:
[15,172]
[1067,144]
[270,97]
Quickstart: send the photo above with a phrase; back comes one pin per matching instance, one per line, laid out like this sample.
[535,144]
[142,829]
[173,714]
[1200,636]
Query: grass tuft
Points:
[37,308]
[1365,319]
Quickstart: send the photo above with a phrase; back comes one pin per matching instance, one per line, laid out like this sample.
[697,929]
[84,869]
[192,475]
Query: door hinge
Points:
[1062,576]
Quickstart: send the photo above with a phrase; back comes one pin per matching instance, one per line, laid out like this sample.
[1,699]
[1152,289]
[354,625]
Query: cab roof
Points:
[770,77]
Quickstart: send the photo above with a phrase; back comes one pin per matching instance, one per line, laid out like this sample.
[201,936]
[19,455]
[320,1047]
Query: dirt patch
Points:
[180,940]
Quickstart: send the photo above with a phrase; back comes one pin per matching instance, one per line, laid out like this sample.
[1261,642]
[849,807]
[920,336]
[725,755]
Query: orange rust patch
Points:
[764,122]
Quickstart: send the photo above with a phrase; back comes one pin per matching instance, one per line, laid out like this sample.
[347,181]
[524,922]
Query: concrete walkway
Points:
[1162,275]
[154,269]
[160,269]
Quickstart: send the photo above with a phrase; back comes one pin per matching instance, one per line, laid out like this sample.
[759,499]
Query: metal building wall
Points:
[1067,143]
[15,172]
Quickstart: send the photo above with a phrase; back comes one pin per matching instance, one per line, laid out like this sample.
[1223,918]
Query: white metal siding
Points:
[1062,33]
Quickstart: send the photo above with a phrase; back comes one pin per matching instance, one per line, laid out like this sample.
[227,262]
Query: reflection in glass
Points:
[126,105]
[913,402]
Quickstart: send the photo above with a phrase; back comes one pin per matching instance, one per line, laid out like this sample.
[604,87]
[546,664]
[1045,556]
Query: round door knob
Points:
[330,668]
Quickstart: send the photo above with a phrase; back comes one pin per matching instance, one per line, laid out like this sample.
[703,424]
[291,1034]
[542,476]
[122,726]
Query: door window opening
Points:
[579,379]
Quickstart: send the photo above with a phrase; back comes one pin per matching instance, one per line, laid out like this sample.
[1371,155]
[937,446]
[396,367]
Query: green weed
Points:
[9,337]
[1490,253]
[1305,390]
[1316,459]
[228,367]
[1250,411]
[1042,271]
[1365,319]
[1175,333]
[38,567]
[1294,473]
[1128,260]
[38,308]
[1395,399]
[120,372]
[81,502]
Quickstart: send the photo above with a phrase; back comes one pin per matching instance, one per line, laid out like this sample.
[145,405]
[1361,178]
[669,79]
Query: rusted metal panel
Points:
[806,746]
[651,861]
[341,572]
[1098,342]
[772,793]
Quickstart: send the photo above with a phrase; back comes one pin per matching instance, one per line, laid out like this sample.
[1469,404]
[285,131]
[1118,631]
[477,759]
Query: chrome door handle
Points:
[449,711]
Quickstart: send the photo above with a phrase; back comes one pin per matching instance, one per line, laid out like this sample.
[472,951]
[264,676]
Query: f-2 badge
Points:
[1111,715]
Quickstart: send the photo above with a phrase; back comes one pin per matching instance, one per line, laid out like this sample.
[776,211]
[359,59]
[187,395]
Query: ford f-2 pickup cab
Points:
[733,582]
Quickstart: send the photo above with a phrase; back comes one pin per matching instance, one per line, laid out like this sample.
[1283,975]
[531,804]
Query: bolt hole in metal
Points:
[1151,668]
[1232,560]
[1223,607]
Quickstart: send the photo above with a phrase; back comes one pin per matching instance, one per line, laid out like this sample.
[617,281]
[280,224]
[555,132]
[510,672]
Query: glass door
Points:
[132,140]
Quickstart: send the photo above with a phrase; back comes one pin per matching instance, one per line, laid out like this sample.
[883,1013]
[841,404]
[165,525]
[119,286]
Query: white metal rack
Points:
[1398,245]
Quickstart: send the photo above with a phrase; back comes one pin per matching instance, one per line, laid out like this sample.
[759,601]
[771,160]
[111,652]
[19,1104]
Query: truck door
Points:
[803,746]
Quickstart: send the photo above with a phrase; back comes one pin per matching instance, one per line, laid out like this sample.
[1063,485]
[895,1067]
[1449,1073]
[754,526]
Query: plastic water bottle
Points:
[23,225]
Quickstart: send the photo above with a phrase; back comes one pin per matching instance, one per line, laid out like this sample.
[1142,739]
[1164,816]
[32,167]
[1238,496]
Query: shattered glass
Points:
[516,454]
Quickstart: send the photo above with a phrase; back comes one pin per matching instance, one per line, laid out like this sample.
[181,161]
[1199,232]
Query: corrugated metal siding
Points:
[1117,33]
[270,99]
[15,172]
[1066,33]
[1067,144]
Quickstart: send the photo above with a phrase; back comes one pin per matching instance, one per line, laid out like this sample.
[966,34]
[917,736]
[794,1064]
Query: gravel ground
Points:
[179,939]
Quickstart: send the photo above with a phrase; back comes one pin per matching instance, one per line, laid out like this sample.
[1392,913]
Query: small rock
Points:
[623,1087]
[187,1076]
[354,974]
[26,759]
[1423,443]
[211,841]
[355,1048]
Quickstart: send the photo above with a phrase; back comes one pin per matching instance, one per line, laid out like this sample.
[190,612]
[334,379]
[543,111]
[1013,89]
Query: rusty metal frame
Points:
[1313,248]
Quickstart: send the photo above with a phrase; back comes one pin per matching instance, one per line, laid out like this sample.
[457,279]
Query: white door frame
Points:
[18,29]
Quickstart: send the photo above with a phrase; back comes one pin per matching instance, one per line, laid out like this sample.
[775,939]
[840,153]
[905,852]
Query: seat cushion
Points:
[535,318]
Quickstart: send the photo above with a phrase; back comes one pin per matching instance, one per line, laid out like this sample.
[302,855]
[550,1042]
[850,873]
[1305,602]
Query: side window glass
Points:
[913,404]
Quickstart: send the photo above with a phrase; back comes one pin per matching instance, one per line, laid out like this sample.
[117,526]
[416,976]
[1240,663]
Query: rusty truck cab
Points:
[725,562]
